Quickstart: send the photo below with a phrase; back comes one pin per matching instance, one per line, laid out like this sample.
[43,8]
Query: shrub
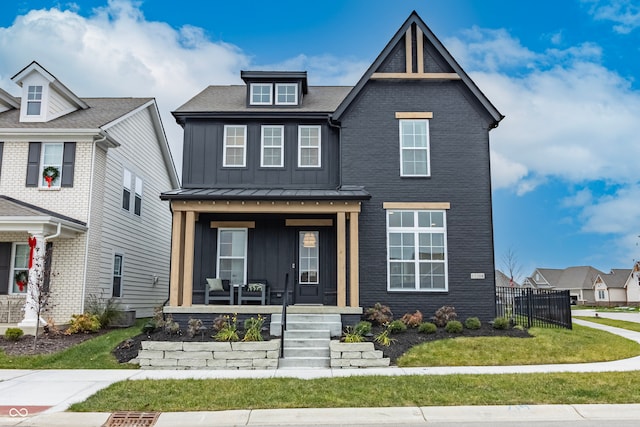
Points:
[193,327]
[412,320]
[472,323]
[396,327]
[501,323]
[453,327]
[107,310]
[170,326]
[219,322]
[13,334]
[84,323]
[444,314]
[352,335]
[253,329]
[379,314]
[427,328]
[51,328]
[229,331]
[363,328]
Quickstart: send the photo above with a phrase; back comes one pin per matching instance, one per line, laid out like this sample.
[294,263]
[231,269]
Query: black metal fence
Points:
[534,307]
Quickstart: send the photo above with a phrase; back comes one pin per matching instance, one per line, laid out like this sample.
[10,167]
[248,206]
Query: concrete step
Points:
[331,322]
[306,342]
[302,333]
[305,352]
[304,362]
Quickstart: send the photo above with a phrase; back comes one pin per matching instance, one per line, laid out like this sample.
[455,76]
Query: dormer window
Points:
[261,94]
[286,94]
[34,100]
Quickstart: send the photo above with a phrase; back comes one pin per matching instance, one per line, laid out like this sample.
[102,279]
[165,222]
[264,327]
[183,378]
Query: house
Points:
[632,285]
[380,192]
[609,289]
[504,281]
[80,180]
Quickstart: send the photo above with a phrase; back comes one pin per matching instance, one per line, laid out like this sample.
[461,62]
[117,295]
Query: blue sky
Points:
[564,73]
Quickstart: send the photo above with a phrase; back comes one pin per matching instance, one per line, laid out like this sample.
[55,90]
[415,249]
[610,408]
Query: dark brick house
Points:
[379,192]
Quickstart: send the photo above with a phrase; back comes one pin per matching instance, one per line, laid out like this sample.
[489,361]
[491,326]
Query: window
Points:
[234,146]
[308,262]
[20,271]
[272,146]
[309,146]
[34,100]
[51,165]
[126,190]
[261,94]
[137,205]
[414,148]
[116,290]
[417,252]
[286,94]
[232,255]
[601,295]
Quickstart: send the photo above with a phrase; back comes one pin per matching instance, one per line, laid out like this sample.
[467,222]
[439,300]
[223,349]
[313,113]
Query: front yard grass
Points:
[91,354]
[632,326]
[582,344]
[378,391]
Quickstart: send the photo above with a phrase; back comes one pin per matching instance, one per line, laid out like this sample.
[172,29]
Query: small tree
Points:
[512,265]
[38,289]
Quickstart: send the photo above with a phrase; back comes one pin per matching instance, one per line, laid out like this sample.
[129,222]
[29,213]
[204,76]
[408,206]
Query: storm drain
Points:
[132,419]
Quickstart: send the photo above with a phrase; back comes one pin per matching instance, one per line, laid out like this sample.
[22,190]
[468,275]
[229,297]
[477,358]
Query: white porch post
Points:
[36,274]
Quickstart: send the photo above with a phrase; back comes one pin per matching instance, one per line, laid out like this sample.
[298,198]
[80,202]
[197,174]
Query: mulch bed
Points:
[129,348]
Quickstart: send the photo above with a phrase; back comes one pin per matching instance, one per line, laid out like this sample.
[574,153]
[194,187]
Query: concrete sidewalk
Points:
[39,397]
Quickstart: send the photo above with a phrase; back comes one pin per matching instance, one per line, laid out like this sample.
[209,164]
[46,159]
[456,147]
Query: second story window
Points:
[414,148]
[235,139]
[51,165]
[137,203]
[131,186]
[272,146]
[34,100]
[309,146]
[126,190]
[286,94]
[261,94]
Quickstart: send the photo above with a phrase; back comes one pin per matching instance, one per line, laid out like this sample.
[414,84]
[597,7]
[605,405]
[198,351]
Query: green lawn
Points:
[92,354]
[632,326]
[512,389]
[582,344]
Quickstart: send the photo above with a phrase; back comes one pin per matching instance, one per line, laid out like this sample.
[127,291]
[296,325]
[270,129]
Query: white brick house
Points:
[100,217]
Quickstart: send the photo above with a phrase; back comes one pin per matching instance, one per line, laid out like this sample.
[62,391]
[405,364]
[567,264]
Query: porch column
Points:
[342,260]
[187,274]
[177,262]
[34,284]
[354,267]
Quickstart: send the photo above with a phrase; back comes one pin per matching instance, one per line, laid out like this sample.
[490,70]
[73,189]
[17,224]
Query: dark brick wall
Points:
[459,174]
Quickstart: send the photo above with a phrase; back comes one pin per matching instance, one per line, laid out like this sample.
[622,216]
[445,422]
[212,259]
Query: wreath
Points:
[21,279]
[50,174]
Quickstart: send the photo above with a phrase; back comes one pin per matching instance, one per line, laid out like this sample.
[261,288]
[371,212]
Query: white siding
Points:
[144,241]
[58,106]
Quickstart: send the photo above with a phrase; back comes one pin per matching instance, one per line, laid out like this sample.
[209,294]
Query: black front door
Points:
[308,283]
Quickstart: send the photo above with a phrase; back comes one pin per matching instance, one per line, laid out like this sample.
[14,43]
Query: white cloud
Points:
[624,13]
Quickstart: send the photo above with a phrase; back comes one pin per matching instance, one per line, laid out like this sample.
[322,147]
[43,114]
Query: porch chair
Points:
[255,290]
[216,289]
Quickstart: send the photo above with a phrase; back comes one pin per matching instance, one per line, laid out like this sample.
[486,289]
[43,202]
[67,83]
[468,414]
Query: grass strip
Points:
[375,391]
[579,345]
[632,326]
[91,354]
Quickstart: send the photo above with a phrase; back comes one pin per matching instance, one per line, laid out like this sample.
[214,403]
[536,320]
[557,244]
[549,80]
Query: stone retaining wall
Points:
[356,355]
[209,355]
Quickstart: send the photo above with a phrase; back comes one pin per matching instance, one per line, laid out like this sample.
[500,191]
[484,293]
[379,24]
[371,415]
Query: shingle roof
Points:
[101,111]
[581,277]
[319,99]
[10,207]
[264,194]
[617,278]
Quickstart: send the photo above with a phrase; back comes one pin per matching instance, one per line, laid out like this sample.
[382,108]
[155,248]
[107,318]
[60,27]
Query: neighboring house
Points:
[504,281]
[379,192]
[609,289]
[632,285]
[98,213]
[578,280]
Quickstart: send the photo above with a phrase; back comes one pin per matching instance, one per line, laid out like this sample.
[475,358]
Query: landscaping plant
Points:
[85,323]
[379,314]
[363,328]
[427,328]
[412,320]
[472,323]
[13,334]
[384,337]
[352,335]
[229,331]
[396,327]
[253,329]
[107,310]
[444,314]
[501,323]
[193,327]
[453,327]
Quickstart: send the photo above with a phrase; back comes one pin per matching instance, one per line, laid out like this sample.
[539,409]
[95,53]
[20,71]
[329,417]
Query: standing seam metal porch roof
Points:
[265,194]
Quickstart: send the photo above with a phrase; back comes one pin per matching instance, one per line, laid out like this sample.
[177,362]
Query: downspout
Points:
[56,234]
[86,246]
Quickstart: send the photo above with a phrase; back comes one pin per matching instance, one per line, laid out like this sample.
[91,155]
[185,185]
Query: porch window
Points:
[116,290]
[232,255]
[417,250]
[272,146]
[20,271]
[308,271]
[235,138]
[309,146]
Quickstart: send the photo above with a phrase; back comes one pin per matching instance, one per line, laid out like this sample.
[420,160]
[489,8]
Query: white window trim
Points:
[42,183]
[24,117]
[252,86]
[262,146]
[126,187]
[13,270]
[244,147]
[427,148]
[416,230]
[300,165]
[278,85]
[113,275]
[244,257]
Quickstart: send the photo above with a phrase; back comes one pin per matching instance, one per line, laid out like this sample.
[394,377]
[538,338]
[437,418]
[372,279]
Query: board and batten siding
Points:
[145,241]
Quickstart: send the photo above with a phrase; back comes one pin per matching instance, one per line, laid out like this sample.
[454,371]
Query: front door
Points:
[308,280]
